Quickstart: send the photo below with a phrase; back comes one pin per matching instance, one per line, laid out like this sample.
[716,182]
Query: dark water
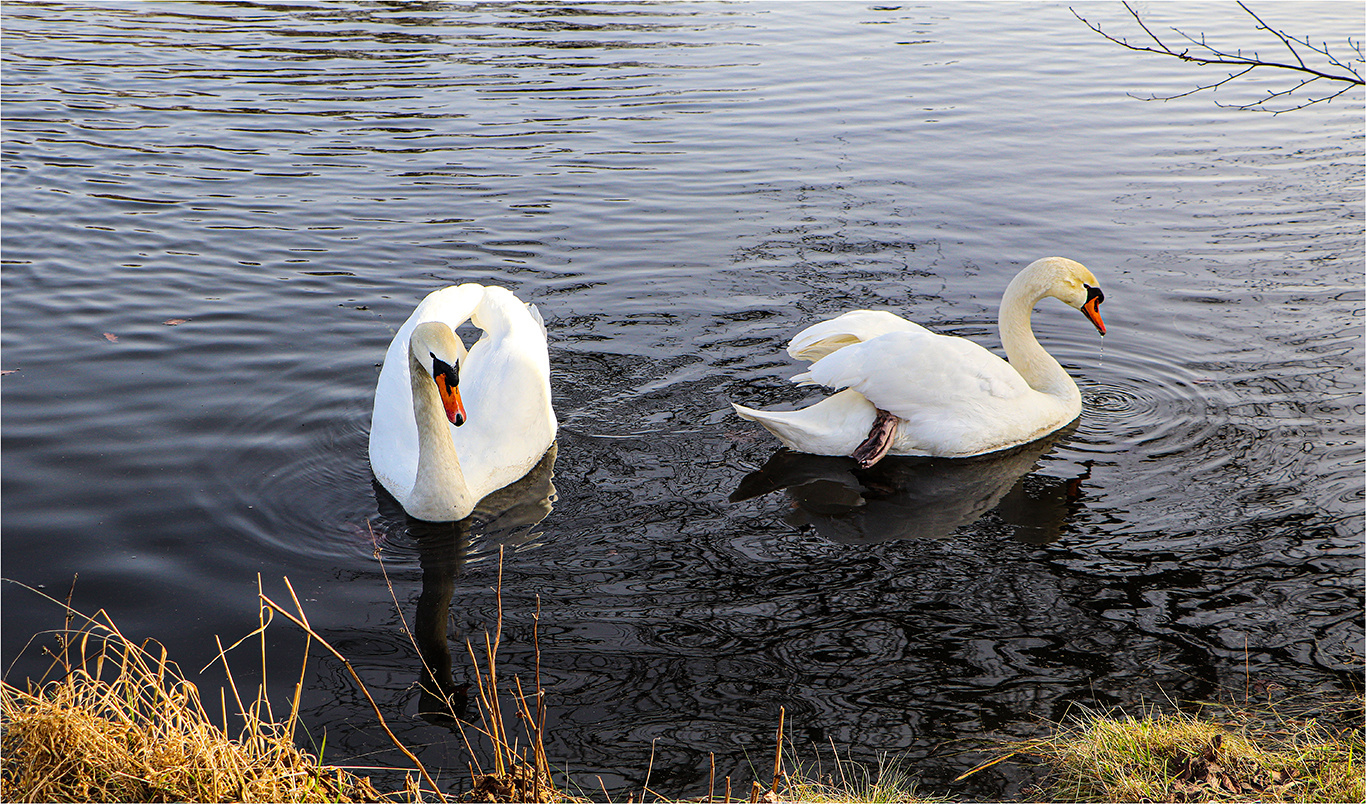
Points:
[679,188]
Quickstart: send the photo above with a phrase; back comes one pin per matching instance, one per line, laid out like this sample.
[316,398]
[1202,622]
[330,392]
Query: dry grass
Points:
[114,720]
[518,773]
[844,781]
[853,781]
[520,769]
[1233,754]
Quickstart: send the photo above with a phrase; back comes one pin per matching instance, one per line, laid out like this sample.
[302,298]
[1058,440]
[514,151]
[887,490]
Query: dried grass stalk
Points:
[518,774]
[118,721]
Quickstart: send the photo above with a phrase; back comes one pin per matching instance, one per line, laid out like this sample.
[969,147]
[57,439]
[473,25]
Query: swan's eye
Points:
[447,371]
[1094,293]
[452,368]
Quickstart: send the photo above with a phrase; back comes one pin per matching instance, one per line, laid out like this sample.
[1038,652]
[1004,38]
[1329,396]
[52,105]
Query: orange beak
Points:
[450,398]
[1091,309]
[447,380]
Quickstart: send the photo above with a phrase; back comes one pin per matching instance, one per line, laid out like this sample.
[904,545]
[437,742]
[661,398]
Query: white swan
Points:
[451,426]
[908,391]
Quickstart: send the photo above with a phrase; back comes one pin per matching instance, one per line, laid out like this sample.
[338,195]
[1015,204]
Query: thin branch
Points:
[1304,105]
[1286,92]
[1141,24]
[1201,88]
[1205,53]
[1219,56]
[1284,39]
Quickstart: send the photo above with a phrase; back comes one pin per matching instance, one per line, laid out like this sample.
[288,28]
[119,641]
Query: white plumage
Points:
[436,470]
[951,397]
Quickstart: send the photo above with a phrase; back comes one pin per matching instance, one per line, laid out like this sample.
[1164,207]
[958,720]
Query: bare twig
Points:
[1284,39]
[378,552]
[1336,70]
[524,772]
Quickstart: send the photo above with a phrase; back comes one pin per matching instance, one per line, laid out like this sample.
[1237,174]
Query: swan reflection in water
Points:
[919,498]
[505,517]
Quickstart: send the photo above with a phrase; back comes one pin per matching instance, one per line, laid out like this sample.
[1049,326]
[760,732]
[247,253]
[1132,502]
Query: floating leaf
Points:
[111,337]
[171,322]
[3,372]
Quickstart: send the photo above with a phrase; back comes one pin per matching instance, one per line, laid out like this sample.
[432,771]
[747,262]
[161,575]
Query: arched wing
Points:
[918,374]
[857,326]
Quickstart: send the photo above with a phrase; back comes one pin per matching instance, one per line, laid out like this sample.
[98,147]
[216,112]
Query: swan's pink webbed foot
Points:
[879,440]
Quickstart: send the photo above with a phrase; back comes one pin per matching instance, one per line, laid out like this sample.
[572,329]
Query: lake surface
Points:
[216,216]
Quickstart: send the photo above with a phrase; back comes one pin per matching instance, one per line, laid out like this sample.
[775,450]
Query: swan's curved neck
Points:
[1036,366]
[440,487]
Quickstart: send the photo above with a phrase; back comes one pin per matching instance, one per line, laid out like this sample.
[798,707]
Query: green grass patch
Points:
[1221,753]
[890,781]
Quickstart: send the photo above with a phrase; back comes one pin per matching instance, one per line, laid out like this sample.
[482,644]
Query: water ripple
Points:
[679,189]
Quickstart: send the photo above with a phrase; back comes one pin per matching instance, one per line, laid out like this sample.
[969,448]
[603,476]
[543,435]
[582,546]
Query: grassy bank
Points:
[1252,752]
[117,721]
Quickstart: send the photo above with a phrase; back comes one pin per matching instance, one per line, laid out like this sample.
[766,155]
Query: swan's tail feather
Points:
[833,426]
[748,413]
[779,423]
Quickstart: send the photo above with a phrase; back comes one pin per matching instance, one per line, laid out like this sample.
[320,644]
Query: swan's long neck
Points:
[440,488]
[1037,366]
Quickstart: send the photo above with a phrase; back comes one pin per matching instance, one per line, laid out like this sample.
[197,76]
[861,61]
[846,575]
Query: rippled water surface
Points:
[216,215]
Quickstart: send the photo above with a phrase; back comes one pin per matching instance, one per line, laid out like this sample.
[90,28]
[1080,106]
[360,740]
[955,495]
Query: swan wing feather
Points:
[833,426]
[914,374]
[857,326]
[505,384]
[951,395]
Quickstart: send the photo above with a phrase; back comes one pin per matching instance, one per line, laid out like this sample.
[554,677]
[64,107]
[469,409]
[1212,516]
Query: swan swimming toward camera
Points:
[904,390]
[451,425]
